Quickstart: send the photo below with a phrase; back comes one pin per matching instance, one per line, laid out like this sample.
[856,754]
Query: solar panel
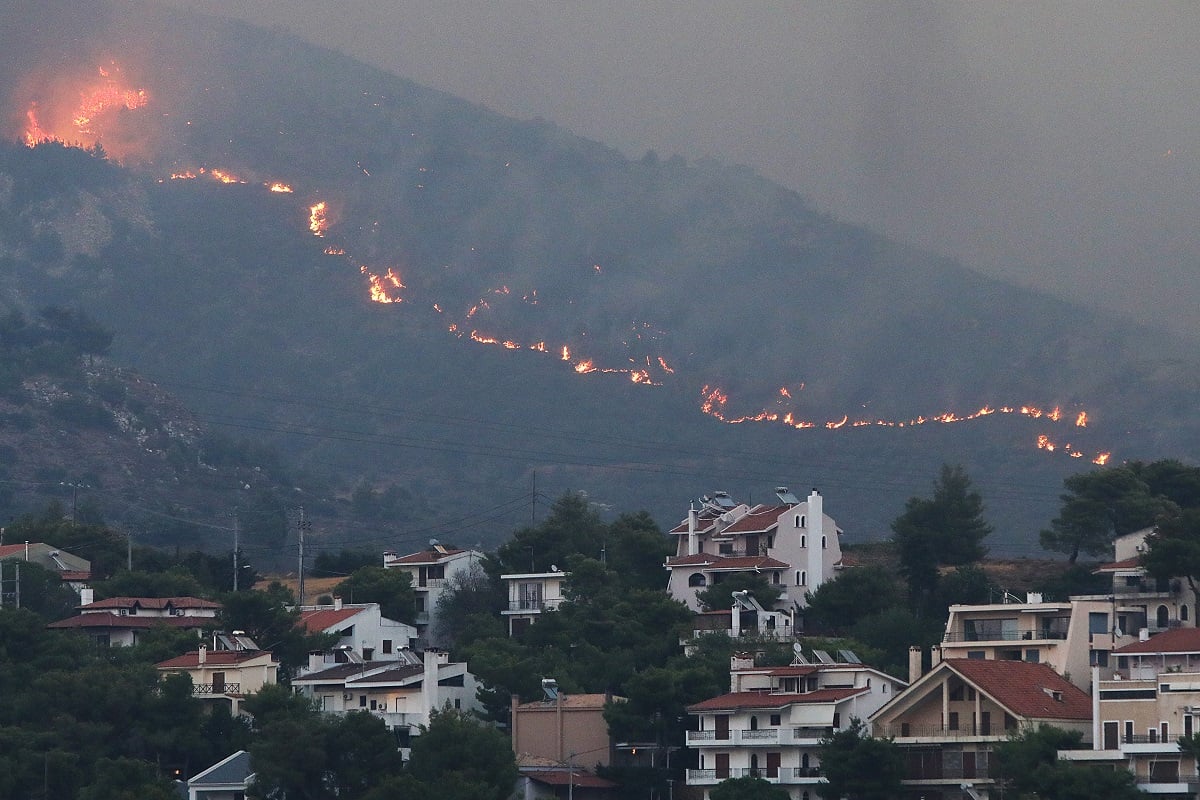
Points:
[823,657]
[798,654]
[849,657]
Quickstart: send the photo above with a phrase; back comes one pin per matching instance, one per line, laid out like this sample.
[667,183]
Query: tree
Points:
[749,788]
[1028,764]
[839,604]
[391,588]
[719,596]
[858,766]
[1173,549]
[947,528]
[271,619]
[572,527]
[1100,505]
[457,756]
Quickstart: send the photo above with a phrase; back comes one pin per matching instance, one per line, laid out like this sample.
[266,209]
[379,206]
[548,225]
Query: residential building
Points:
[73,570]
[948,721]
[1140,711]
[565,729]
[531,593]
[121,621]
[1140,600]
[539,780]
[792,542]
[771,722]
[225,676]
[430,570]
[228,779]
[403,691]
[364,634]
[1070,637]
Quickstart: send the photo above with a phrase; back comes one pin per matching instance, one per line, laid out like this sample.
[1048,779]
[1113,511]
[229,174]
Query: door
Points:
[985,723]
[722,721]
[722,766]
[773,760]
[1111,735]
[218,686]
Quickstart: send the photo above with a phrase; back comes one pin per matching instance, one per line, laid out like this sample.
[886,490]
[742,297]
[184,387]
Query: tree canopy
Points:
[857,766]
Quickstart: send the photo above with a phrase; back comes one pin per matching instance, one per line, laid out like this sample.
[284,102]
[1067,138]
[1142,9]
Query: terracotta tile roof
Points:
[575,701]
[1026,689]
[322,619]
[741,700]
[1176,640]
[426,556]
[156,603]
[75,575]
[579,778]
[726,562]
[704,521]
[212,658]
[1115,566]
[109,620]
[758,520]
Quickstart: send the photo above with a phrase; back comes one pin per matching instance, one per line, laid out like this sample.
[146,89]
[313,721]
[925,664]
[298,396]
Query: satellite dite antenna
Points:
[550,687]
[798,654]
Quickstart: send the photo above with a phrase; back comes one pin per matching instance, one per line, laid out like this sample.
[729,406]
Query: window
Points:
[798,581]
[1164,728]
[458,704]
[1183,613]
[775,577]
[753,723]
[803,577]
[368,653]
[421,603]
[776,720]
[824,542]
[800,523]
[1097,622]
[362,701]
[387,645]
[1033,656]
[953,722]
[1099,658]
[1128,731]
[804,541]
[977,655]
[697,579]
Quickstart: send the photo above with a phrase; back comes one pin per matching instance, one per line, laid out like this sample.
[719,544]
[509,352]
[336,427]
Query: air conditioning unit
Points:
[347,695]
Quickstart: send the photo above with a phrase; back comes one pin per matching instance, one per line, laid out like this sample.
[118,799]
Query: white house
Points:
[430,570]
[120,621]
[529,594]
[364,634]
[771,722]
[794,543]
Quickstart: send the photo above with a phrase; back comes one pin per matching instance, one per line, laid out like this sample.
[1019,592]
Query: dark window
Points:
[953,721]
[387,645]
[368,653]
[776,720]
[697,579]
[362,701]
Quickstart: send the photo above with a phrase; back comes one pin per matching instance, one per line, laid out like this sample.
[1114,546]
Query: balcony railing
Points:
[759,736]
[534,606]
[811,733]
[216,688]
[1004,636]
[964,729]
[701,736]
[430,583]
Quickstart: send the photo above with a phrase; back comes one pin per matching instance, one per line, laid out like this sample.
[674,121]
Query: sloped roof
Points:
[233,769]
[579,778]
[705,519]
[758,520]
[322,619]
[213,658]
[107,619]
[427,556]
[1025,688]
[157,603]
[734,701]
[726,562]
[1175,640]
[1119,566]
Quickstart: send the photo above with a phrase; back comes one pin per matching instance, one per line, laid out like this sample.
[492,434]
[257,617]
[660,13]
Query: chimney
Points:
[337,603]
[935,656]
[1143,634]
[816,531]
[692,542]
[431,660]
[738,661]
[914,663]
[87,596]
[201,655]
[513,730]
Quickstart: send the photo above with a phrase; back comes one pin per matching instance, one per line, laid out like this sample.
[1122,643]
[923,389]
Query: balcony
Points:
[430,583]
[759,736]
[810,735]
[958,637]
[963,731]
[216,689]
[532,606]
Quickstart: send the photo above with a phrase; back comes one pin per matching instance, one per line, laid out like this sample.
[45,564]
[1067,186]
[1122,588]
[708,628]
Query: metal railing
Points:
[964,729]
[1004,636]
[216,688]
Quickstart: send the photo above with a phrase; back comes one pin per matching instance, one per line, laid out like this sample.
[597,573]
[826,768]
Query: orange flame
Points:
[1081,421]
[98,102]
[317,222]
[279,187]
[1101,459]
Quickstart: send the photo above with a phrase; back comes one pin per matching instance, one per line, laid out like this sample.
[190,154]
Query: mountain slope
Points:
[703,278]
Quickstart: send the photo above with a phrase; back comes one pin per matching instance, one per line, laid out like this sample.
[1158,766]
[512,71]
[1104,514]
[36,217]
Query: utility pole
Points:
[18,593]
[533,502]
[303,525]
[235,550]
[129,550]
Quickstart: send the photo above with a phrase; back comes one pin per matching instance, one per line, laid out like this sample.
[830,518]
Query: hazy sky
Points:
[1053,144]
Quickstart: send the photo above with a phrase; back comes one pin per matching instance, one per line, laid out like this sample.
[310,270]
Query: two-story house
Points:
[1150,700]
[771,722]
[793,543]
[529,594]
[121,621]
[1140,600]
[224,676]
[362,631]
[948,721]
[403,691]
[430,570]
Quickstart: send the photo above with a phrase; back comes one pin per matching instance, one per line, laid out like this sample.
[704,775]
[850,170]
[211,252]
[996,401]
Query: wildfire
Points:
[378,286]
[1081,421]
[317,223]
[98,102]
[281,188]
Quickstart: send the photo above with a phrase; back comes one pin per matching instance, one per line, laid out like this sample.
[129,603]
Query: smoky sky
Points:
[1055,145]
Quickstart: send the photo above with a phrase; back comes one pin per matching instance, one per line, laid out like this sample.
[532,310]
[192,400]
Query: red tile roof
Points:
[322,619]
[75,575]
[426,556]
[726,562]
[580,778]
[704,521]
[212,658]
[742,700]
[157,603]
[1026,689]
[109,620]
[758,520]
[1176,640]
